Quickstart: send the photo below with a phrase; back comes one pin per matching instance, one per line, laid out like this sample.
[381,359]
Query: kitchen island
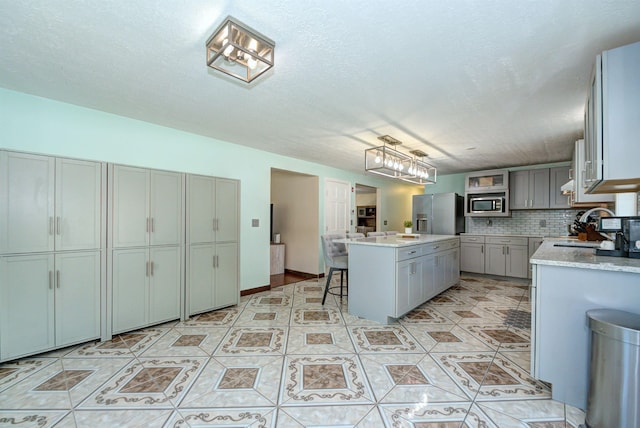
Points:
[391,275]
[567,282]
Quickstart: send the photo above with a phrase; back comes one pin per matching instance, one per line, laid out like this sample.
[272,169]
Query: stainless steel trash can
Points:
[614,374]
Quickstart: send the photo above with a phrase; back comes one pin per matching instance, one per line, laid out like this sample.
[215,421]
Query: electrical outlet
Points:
[255,222]
[543,223]
[385,222]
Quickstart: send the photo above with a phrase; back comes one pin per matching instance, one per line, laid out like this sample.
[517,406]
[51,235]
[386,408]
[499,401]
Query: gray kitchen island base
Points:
[389,276]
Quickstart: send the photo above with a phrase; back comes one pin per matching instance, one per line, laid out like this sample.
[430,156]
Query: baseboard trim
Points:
[254,290]
[302,274]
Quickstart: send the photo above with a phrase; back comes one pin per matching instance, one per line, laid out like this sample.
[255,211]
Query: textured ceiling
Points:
[475,84]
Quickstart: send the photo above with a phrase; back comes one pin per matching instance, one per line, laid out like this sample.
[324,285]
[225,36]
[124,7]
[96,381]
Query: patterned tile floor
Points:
[281,359]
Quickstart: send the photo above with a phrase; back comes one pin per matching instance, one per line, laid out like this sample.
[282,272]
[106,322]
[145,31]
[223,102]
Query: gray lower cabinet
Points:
[507,256]
[212,276]
[387,282]
[146,286]
[472,253]
[48,301]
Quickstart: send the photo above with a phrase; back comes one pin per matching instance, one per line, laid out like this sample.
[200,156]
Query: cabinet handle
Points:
[507,250]
[482,250]
[506,240]
[503,250]
[147,225]
[153,224]
[473,239]
[213,224]
[412,252]
[531,203]
[51,231]
[525,203]
[217,261]
[147,269]
[151,268]
[570,173]
[58,279]
[50,280]
[435,247]
[58,225]
[217,225]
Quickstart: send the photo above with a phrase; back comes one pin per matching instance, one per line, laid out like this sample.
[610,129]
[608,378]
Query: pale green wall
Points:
[40,125]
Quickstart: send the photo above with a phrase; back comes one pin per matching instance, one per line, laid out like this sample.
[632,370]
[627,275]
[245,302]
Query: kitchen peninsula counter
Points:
[567,282]
[391,275]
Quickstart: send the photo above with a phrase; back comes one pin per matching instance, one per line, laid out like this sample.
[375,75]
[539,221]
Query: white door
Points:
[26,202]
[77,286]
[78,216]
[337,203]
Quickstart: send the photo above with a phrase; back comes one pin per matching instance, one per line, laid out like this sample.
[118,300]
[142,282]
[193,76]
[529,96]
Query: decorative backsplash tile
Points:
[524,222]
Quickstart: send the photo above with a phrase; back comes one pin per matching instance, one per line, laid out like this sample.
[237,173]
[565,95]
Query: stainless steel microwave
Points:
[486,204]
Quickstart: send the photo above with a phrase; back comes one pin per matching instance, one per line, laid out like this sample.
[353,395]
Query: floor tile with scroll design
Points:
[253,341]
[14,371]
[190,340]
[384,339]
[447,338]
[499,335]
[403,377]
[148,383]
[484,377]
[358,416]
[220,317]
[273,300]
[424,315]
[435,415]
[264,316]
[187,341]
[216,417]
[532,413]
[236,382]
[319,340]
[316,380]
[64,380]
[32,418]
[306,316]
[122,345]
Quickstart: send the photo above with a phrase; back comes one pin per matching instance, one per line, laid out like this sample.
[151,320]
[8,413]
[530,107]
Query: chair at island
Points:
[391,232]
[376,234]
[336,258]
[356,235]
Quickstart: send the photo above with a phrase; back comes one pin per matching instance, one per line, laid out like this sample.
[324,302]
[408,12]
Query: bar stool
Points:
[337,259]
[376,234]
[356,235]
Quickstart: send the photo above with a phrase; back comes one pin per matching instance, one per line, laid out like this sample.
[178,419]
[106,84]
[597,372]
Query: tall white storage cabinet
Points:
[212,243]
[52,262]
[146,246]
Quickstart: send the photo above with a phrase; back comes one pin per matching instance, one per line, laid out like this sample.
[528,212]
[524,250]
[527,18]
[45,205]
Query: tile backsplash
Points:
[524,222]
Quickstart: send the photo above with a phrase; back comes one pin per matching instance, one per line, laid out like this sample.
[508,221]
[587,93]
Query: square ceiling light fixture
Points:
[386,160]
[239,51]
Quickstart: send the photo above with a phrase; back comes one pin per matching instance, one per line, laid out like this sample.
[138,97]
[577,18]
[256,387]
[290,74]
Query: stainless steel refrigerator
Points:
[438,214]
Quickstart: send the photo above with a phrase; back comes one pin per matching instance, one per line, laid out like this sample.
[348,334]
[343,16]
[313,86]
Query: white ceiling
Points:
[475,84]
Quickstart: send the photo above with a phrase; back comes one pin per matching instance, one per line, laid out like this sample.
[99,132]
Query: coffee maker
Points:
[631,236]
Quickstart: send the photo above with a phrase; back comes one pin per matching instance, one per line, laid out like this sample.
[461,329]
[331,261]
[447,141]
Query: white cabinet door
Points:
[131,222]
[495,259]
[164,286]
[201,209]
[26,203]
[472,257]
[131,272]
[516,261]
[166,208]
[226,210]
[26,305]
[226,280]
[78,207]
[201,278]
[77,297]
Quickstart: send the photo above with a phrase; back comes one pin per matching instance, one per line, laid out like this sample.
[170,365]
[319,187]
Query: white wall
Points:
[39,125]
[295,205]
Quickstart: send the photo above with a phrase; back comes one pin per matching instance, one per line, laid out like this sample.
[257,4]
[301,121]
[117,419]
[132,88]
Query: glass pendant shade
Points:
[385,160]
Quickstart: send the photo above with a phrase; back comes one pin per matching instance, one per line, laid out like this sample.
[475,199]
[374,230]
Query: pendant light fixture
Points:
[386,160]
[239,51]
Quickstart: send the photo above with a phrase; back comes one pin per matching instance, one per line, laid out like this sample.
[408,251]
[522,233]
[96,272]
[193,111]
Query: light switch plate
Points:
[255,222]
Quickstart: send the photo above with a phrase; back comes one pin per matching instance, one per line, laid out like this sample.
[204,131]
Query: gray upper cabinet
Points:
[611,122]
[557,177]
[529,189]
[49,204]
[147,207]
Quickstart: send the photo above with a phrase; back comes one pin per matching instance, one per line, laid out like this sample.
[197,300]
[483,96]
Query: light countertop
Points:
[398,241]
[581,257]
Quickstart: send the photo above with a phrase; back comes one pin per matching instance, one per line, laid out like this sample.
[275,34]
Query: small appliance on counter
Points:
[627,237]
